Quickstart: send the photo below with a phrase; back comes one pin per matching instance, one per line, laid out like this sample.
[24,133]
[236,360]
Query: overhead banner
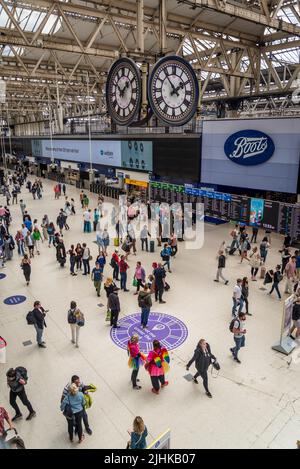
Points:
[137,155]
[105,152]
[251,153]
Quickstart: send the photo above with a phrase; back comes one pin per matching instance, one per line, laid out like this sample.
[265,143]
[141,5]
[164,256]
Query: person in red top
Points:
[123,272]
[4,416]
[136,358]
[115,261]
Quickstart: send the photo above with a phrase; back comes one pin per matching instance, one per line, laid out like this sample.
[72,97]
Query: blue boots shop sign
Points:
[249,147]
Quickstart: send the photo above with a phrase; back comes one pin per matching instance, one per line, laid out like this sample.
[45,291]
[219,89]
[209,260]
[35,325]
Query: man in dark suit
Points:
[39,322]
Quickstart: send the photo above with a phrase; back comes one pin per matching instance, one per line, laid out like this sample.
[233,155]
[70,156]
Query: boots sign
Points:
[249,147]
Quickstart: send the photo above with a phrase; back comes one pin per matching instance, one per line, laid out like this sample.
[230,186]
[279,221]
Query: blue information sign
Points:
[14,300]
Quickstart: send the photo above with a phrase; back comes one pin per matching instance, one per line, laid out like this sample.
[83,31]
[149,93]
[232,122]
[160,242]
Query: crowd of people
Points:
[108,272]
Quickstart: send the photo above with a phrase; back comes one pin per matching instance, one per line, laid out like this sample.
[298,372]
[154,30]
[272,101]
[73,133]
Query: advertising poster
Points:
[287,315]
[256,212]
[137,155]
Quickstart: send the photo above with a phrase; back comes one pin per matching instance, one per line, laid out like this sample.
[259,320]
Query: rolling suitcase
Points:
[152,246]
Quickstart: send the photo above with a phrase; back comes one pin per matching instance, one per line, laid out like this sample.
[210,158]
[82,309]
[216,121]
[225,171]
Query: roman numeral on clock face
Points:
[159,99]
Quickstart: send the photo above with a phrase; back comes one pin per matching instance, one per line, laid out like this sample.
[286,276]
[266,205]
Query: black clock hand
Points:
[124,88]
[177,88]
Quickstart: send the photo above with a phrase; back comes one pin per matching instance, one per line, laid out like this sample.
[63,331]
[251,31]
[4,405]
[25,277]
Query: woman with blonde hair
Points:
[139,434]
[72,407]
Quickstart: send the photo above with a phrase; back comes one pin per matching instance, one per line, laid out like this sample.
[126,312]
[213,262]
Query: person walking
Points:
[64,188]
[145,303]
[85,389]
[291,275]
[276,277]
[237,297]
[221,258]
[86,257]
[114,306]
[39,314]
[255,261]
[16,380]
[61,255]
[4,416]
[26,267]
[97,276]
[235,243]
[203,358]
[60,221]
[245,247]
[105,240]
[72,255]
[157,365]
[76,321]
[138,435]
[22,207]
[159,276]
[123,273]
[29,243]
[245,294]
[136,359]
[239,332]
[285,257]
[44,226]
[75,402]
[139,277]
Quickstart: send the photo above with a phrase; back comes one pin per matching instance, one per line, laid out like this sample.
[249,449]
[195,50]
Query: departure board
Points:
[295,223]
[239,208]
[270,215]
[284,218]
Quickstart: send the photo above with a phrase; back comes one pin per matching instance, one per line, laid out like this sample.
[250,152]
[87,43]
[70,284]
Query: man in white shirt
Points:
[87,217]
[24,231]
[237,297]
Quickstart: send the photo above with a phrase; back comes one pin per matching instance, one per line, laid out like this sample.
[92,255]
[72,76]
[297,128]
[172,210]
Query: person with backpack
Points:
[76,321]
[61,220]
[97,276]
[144,237]
[235,243]
[254,234]
[96,218]
[87,217]
[39,314]
[72,407]
[276,277]
[145,303]
[16,380]
[157,365]
[138,435]
[221,258]
[26,267]
[237,327]
[136,359]
[51,233]
[61,254]
[203,358]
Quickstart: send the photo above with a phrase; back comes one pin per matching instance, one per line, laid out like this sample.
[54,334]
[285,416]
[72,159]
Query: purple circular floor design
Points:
[170,331]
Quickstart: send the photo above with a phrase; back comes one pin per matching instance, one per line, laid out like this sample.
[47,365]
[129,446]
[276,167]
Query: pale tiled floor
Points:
[254,405]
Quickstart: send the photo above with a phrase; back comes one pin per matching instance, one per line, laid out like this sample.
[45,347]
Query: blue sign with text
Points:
[249,147]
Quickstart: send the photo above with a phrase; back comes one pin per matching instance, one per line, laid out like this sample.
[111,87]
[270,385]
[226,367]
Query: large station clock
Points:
[123,91]
[173,90]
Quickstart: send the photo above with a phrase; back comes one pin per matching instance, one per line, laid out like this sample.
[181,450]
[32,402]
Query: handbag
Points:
[68,412]
[90,258]
[108,315]
[216,365]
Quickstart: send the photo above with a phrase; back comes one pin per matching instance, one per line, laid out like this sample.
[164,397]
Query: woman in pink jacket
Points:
[136,359]
[157,365]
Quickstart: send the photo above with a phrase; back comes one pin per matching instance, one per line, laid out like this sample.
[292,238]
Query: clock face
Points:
[123,91]
[173,90]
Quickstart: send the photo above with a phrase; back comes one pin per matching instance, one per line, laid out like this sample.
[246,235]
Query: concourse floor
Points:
[256,404]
